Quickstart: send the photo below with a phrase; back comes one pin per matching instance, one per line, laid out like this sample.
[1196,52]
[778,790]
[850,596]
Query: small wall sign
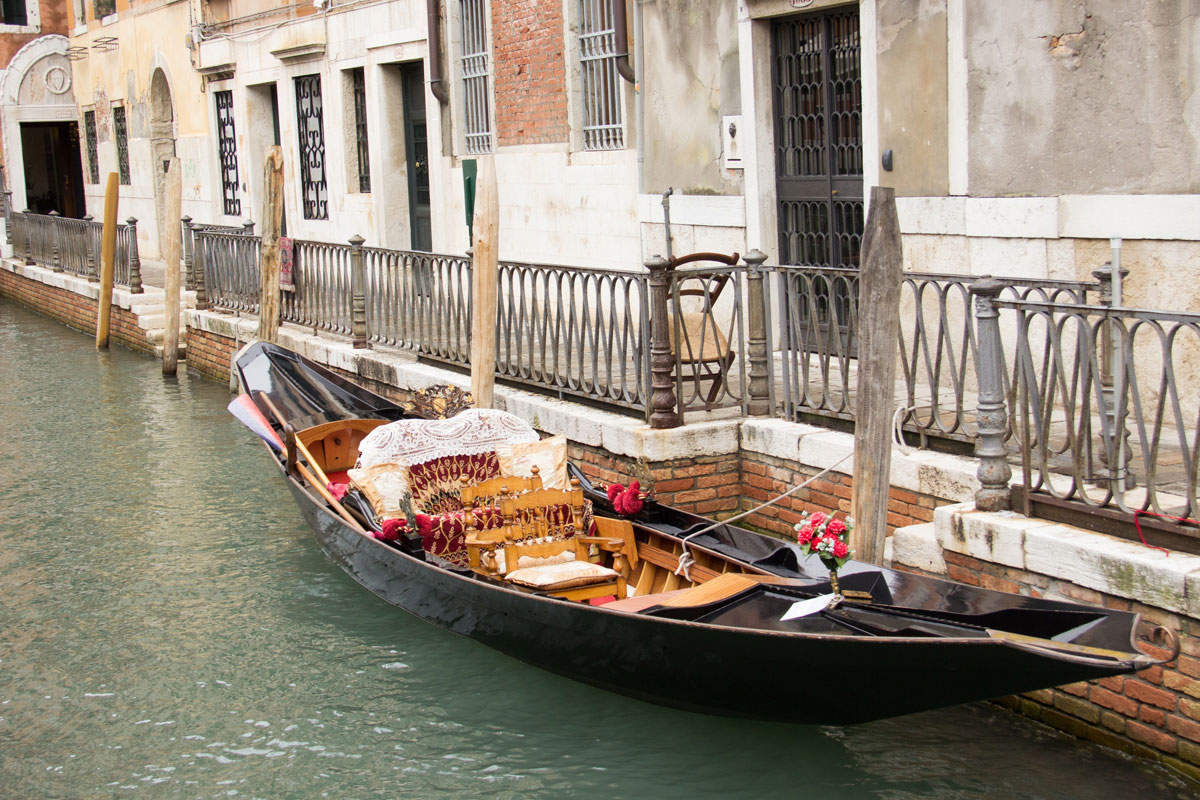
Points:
[802,3]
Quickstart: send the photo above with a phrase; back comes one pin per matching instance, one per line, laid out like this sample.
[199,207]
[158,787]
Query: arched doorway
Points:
[38,123]
[162,145]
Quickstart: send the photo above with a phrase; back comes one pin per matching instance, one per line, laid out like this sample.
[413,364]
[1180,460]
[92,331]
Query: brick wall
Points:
[1154,714]
[209,354]
[75,310]
[529,72]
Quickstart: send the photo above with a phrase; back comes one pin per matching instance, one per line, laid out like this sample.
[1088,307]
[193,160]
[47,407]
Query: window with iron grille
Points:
[476,77]
[310,126]
[600,84]
[89,141]
[121,134]
[227,153]
[359,86]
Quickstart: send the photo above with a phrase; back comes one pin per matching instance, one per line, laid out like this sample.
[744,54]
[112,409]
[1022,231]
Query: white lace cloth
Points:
[468,433]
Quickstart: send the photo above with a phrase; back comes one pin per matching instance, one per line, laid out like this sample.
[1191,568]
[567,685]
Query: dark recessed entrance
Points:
[53,168]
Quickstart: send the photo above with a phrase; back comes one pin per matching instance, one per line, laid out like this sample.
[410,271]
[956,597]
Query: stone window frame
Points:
[33,20]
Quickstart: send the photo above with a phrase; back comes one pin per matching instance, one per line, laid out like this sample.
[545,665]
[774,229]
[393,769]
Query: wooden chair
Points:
[704,354]
[489,492]
[555,566]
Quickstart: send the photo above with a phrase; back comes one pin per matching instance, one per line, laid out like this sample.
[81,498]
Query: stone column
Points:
[994,471]
[759,389]
[358,300]
[662,361]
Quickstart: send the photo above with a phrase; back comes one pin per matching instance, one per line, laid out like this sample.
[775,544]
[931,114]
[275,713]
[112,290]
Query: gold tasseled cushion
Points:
[567,575]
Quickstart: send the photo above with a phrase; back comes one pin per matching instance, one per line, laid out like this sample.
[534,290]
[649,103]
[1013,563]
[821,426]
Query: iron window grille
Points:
[314,197]
[227,153]
[359,83]
[89,141]
[476,76]
[121,133]
[600,85]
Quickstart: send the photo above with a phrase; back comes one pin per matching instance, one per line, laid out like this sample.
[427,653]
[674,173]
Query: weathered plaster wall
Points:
[1069,97]
[149,38]
[53,18]
[911,44]
[691,81]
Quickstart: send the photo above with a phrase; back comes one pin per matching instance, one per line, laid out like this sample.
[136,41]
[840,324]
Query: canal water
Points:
[168,628]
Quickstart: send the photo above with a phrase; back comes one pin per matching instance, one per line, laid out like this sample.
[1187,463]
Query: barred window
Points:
[601,87]
[476,77]
[359,86]
[227,153]
[313,186]
[89,141]
[121,133]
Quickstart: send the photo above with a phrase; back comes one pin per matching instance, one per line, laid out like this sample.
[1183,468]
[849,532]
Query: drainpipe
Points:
[434,11]
[639,107]
[621,44]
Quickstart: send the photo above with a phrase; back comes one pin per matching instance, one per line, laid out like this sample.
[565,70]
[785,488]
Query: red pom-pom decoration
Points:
[391,529]
[338,490]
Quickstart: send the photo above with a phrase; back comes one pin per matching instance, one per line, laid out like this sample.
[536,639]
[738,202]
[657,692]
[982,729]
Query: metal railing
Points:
[937,381]
[575,331]
[419,302]
[65,244]
[1106,408]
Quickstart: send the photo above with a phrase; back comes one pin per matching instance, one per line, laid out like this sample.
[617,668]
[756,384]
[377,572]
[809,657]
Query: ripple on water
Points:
[162,592]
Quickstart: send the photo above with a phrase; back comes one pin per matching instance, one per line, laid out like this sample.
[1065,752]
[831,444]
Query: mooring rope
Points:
[685,558]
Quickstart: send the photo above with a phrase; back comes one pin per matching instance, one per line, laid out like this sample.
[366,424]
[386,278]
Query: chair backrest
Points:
[712,285]
[540,553]
[545,512]
[490,491]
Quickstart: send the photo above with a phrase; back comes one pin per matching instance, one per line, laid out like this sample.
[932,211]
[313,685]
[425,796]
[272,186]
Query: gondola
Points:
[715,638]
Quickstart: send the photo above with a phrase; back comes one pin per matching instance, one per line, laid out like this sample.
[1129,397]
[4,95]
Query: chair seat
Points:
[567,575]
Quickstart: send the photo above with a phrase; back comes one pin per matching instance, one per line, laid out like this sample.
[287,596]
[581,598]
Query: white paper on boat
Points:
[806,608]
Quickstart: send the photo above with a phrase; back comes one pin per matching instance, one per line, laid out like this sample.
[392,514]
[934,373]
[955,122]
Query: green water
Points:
[168,628]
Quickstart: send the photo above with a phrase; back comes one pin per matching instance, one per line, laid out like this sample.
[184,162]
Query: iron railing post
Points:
[662,361]
[358,300]
[29,239]
[55,248]
[8,217]
[1119,432]
[198,272]
[994,472]
[759,384]
[189,277]
[248,227]
[135,261]
[89,252]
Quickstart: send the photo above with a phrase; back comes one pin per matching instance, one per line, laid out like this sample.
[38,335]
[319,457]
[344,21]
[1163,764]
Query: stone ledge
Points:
[921,471]
[1095,561]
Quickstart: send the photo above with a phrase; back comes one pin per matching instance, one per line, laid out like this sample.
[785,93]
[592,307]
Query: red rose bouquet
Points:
[823,535]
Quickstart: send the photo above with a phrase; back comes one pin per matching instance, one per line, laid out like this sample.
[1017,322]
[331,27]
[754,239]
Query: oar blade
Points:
[243,408]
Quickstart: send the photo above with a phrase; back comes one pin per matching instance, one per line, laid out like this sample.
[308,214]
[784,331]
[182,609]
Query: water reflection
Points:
[169,629]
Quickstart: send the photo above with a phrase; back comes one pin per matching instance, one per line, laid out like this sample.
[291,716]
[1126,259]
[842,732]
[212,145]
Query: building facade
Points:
[1019,138]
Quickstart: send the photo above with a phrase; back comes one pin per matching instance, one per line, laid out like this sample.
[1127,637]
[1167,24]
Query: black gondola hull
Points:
[755,674]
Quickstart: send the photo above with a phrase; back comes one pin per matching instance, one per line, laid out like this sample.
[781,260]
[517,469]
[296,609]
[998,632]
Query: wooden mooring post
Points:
[171,282]
[272,218]
[878,329]
[108,252]
[486,227]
